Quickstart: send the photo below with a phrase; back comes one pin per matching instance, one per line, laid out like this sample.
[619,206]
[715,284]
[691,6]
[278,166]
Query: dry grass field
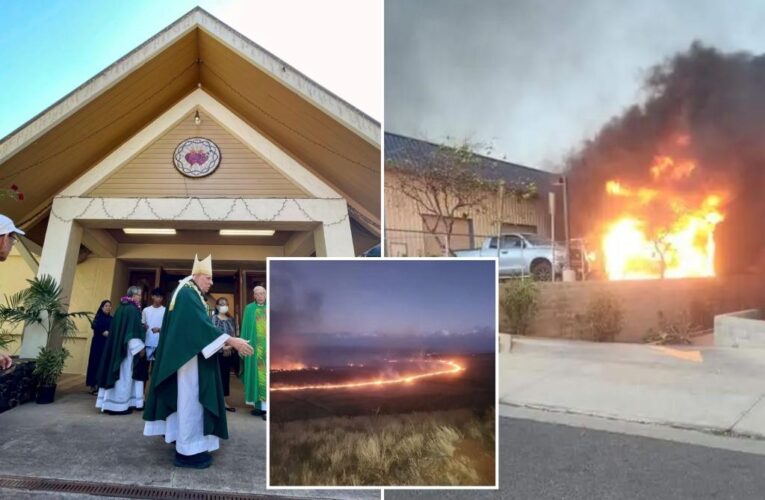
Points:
[436,448]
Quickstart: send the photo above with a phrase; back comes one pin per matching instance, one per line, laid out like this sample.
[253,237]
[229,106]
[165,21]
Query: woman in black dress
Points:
[227,358]
[101,325]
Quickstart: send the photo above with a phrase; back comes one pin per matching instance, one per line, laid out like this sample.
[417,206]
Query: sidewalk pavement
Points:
[713,389]
[70,439]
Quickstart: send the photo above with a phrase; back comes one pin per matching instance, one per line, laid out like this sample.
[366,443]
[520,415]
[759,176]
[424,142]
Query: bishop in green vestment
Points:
[118,393]
[185,401]
[254,369]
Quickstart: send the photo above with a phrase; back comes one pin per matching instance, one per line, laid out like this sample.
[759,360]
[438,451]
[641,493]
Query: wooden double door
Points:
[234,284]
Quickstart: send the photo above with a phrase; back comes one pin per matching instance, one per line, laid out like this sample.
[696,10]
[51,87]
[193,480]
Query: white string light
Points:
[158,91]
[234,202]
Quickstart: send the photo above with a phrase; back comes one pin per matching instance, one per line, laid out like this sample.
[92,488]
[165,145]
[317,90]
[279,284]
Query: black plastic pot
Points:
[46,394]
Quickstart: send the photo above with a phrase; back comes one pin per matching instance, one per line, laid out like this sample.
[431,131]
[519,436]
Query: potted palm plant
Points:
[43,304]
[5,338]
[49,366]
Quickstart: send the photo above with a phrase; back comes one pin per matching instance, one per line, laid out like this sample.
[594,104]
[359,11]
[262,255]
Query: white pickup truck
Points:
[521,253]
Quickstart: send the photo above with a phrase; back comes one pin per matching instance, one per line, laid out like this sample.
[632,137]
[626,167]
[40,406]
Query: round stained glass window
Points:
[196,157]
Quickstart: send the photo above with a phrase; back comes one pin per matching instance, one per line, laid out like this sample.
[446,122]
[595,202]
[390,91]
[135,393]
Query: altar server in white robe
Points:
[118,392]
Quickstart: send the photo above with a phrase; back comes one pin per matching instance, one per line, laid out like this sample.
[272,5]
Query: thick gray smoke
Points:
[704,105]
[293,309]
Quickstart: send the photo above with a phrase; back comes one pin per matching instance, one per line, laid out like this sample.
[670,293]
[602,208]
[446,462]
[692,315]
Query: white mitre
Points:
[202,266]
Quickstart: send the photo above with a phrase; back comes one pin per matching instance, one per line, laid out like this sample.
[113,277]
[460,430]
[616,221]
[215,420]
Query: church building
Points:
[197,142]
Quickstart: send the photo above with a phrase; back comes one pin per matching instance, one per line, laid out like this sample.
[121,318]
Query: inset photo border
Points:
[375,371]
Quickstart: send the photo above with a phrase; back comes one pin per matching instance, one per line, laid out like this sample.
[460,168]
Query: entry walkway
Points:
[713,389]
[71,440]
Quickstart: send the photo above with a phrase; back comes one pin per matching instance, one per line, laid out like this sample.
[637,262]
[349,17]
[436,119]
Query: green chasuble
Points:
[254,369]
[186,330]
[126,325]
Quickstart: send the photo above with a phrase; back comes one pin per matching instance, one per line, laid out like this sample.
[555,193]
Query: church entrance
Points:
[233,281]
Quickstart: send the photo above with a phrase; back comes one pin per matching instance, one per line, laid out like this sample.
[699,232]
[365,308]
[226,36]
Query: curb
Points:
[715,431]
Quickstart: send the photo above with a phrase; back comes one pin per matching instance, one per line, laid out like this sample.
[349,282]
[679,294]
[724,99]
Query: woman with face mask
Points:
[227,359]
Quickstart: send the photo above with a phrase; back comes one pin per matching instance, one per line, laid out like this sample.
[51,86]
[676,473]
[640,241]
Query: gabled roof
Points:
[331,138]
[399,148]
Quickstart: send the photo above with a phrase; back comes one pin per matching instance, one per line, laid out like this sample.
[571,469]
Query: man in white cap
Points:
[8,232]
[185,402]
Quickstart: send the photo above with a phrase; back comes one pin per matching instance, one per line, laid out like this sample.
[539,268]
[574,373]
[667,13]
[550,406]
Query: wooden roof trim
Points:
[91,89]
[199,99]
[351,117]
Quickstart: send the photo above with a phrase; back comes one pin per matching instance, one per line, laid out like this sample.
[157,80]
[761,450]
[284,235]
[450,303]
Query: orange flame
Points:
[406,379]
[291,366]
[615,188]
[636,246]
[288,366]
[643,195]
[665,166]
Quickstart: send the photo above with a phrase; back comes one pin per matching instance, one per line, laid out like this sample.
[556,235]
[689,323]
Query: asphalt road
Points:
[538,460]
[550,461]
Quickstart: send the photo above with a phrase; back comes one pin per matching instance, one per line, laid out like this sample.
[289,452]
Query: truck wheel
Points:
[541,271]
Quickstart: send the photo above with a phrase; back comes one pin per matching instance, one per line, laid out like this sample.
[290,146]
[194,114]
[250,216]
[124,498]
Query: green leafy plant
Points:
[603,319]
[5,338]
[521,301]
[13,193]
[50,365]
[43,304]
[523,190]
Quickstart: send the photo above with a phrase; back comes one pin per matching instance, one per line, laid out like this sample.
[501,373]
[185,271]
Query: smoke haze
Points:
[534,78]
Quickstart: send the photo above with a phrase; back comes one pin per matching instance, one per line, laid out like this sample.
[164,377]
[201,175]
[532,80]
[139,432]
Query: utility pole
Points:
[551,200]
[500,203]
[564,181]
[567,274]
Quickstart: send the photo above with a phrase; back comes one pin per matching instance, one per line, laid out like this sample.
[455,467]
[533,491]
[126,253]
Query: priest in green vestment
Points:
[254,369]
[118,393]
[185,402]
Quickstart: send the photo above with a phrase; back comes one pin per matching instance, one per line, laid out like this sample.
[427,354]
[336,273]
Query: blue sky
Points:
[49,48]
[374,297]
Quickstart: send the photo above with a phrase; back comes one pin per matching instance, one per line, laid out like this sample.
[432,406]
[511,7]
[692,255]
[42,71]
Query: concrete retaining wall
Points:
[740,329]
[562,305]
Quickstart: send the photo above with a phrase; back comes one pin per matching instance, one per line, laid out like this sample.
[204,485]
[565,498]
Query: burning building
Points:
[673,187]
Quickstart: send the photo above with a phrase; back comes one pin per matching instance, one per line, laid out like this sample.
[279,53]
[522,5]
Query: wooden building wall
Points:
[404,227]
[242,172]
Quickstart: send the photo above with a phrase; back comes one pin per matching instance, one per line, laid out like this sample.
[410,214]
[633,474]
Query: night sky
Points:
[382,304]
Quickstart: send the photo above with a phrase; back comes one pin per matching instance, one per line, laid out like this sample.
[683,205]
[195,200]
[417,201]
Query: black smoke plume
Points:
[716,101]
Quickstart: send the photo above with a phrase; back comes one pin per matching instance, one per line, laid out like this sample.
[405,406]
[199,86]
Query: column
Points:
[59,260]
[334,241]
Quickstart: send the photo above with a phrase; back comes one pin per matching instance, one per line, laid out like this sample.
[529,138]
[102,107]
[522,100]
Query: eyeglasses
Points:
[12,238]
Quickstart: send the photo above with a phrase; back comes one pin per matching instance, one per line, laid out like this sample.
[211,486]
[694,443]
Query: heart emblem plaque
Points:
[196,157]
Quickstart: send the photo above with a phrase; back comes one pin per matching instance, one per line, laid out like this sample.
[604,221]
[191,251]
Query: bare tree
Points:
[444,184]
[662,247]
